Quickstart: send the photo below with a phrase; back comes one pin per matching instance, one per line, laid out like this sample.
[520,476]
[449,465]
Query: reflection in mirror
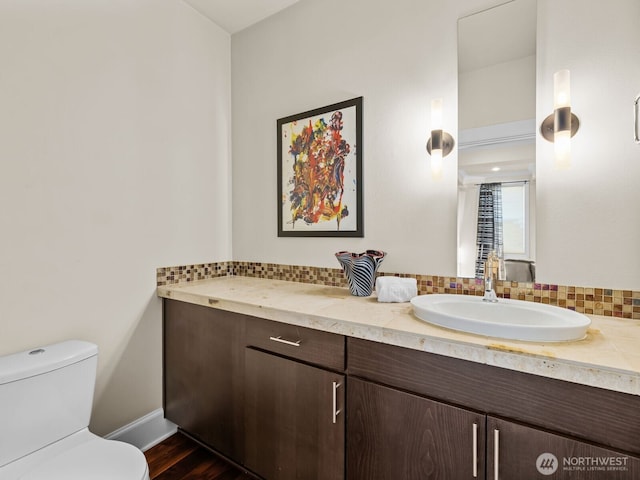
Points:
[497,103]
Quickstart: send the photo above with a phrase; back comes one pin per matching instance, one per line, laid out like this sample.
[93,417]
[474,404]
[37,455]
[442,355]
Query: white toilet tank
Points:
[46,394]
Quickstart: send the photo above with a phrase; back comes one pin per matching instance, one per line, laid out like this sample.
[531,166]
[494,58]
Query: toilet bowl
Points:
[81,456]
[46,396]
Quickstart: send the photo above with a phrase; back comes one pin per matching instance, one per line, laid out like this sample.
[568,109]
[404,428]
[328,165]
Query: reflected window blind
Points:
[489,235]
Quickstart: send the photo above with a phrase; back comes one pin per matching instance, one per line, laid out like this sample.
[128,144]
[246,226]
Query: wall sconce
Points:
[560,126]
[440,143]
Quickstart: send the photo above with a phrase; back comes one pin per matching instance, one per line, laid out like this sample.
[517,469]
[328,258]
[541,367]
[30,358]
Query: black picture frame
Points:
[319,164]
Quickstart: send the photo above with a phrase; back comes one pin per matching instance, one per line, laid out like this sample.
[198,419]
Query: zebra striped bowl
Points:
[360,270]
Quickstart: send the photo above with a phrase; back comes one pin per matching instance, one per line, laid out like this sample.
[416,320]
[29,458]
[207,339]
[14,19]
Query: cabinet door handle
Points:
[636,134]
[475,450]
[496,454]
[336,412]
[279,339]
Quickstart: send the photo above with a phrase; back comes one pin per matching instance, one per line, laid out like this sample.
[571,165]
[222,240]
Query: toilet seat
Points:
[97,459]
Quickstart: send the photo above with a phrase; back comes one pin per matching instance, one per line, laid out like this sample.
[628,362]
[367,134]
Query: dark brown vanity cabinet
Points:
[267,395]
[203,374]
[529,424]
[517,451]
[294,418]
[290,402]
[294,402]
[394,434]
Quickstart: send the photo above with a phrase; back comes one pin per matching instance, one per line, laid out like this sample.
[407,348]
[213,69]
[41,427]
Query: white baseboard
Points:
[146,431]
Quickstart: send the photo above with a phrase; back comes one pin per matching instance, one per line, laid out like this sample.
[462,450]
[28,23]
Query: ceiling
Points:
[236,15]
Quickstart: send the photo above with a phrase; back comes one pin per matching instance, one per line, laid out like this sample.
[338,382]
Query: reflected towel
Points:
[396,289]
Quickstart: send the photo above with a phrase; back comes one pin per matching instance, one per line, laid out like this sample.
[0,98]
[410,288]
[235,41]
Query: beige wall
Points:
[114,160]
[589,216]
[399,56]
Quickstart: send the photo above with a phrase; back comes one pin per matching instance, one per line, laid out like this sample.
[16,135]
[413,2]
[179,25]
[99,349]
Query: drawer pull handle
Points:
[336,412]
[496,454]
[279,339]
[475,450]
[635,115]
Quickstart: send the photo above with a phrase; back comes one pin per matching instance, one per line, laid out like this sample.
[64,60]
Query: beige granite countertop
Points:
[609,357]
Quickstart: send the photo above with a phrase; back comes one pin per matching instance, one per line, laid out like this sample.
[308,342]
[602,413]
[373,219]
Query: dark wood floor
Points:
[180,458]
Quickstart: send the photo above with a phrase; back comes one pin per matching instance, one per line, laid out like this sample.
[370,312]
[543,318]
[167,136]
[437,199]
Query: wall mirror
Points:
[497,132]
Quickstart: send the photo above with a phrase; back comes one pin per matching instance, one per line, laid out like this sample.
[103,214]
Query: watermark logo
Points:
[547,464]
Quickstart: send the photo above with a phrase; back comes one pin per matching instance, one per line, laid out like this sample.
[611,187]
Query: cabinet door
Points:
[291,427]
[396,435]
[515,452]
[203,360]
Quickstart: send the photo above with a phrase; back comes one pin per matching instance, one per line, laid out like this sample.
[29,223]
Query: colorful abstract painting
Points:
[320,172]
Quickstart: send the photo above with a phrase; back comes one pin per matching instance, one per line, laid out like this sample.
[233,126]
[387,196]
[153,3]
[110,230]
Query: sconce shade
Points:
[440,143]
[561,89]
[436,164]
[436,114]
[562,149]
[560,126]
[562,118]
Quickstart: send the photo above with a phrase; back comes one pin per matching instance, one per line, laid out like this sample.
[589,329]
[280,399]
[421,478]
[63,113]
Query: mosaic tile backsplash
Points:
[594,301]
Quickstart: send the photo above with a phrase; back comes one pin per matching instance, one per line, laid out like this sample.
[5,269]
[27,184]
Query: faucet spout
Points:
[491,274]
[489,292]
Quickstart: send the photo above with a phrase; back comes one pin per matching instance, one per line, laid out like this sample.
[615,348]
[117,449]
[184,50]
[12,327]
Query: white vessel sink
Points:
[509,319]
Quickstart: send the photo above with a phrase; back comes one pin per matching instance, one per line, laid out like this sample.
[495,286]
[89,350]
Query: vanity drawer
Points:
[312,346]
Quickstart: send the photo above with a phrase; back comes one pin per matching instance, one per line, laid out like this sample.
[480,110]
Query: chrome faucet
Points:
[492,272]
[489,292]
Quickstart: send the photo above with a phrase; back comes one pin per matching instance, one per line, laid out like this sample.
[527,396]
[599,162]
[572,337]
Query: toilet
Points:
[46,396]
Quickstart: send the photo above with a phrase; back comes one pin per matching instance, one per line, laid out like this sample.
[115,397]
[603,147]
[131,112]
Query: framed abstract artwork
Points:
[320,172]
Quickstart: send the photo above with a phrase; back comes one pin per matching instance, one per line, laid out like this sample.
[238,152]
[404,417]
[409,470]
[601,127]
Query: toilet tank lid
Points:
[39,360]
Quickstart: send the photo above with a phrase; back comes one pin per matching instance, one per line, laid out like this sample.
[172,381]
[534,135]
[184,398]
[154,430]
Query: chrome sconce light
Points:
[440,143]
[562,124]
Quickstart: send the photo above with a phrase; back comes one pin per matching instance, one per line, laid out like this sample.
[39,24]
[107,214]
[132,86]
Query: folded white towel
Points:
[396,289]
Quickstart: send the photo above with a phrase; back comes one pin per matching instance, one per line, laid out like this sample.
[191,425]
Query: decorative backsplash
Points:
[193,273]
[595,301]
